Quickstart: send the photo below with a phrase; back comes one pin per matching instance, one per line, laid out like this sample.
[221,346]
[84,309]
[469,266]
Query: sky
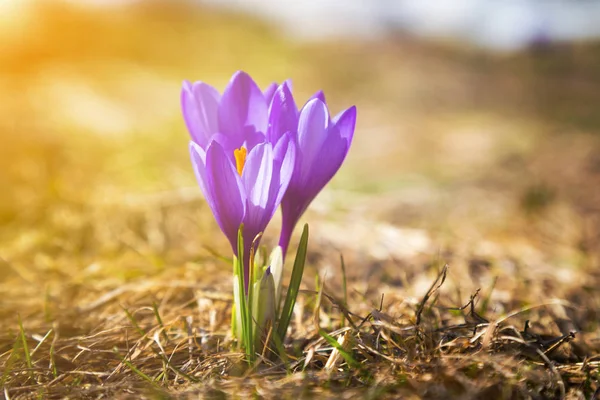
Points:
[505,25]
[500,25]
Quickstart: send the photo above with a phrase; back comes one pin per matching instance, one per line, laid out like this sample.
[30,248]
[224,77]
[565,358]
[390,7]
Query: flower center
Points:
[240,159]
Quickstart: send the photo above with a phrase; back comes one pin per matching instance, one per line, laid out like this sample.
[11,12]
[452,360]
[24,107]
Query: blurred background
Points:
[478,137]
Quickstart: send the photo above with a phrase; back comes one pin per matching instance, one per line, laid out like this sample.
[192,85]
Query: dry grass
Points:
[468,218]
[167,334]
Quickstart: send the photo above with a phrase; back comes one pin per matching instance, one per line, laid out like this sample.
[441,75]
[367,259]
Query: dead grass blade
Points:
[437,283]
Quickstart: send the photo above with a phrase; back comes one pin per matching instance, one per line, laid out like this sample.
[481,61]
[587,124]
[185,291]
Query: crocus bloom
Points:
[242,175]
[322,144]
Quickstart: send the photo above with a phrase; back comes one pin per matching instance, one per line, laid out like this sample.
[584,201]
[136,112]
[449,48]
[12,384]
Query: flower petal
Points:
[345,121]
[269,92]
[334,150]
[257,179]
[199,103]
[283,113]
[242,104]
[312,130]
[198,156]
[332,153]
[284,155]
[257,174]
[252,138]
[225,188]
[276,268]
[318,95]
[327,163]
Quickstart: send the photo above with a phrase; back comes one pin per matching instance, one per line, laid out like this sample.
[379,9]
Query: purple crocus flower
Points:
[241,113]
[242,175]
[322,145]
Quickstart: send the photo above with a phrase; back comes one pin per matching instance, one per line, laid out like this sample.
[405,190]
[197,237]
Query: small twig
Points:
[549,364]
[347,313]
[556,343]
[434,287]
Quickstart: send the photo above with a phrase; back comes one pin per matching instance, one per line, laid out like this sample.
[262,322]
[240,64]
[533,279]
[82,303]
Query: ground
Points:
[467,216]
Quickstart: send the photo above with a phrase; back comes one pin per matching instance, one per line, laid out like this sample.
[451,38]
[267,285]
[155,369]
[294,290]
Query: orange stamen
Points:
[240,159]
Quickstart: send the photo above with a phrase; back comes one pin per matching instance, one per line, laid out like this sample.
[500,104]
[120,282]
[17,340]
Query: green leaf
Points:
[52,361]
[236,315]
[25,347]
[295,280]
[250,306]
[282,353]
[133,322]
[275,262]
[135,369]
[263,309]
[243,306]
[347,356]
[8,365]
[160,322]
[344,285]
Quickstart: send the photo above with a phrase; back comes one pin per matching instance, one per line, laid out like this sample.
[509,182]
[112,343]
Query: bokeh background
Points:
[477,145]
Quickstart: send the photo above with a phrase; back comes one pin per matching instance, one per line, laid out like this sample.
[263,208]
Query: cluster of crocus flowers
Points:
[252,151]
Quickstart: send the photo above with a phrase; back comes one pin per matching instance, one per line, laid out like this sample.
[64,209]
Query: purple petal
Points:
[302,192]
[198,156]
[199,103]
[292,201]
[252,138]
[242,104]
[269,92]
[345,121]
[227,144]
[257,174]
[225,188]
[257,179]
[284,155]
[225,141]
[335,148]
[317,166]
[328,162]
[288,82]
[312,131]
[283,114]
[319,95]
